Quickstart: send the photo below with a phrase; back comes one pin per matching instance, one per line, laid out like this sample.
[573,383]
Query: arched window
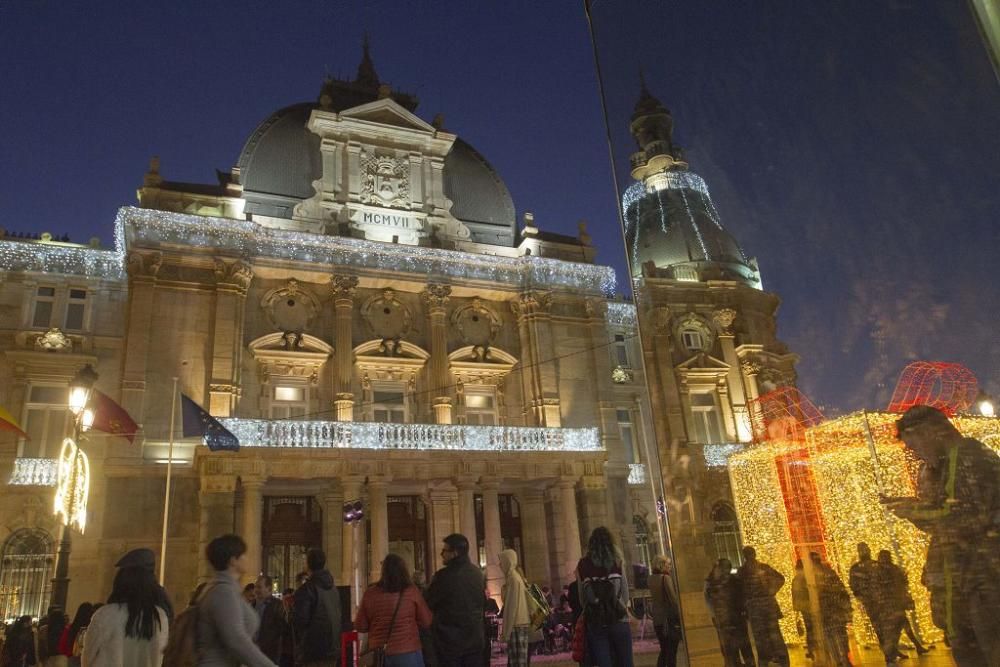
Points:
[726,533]
[26,570]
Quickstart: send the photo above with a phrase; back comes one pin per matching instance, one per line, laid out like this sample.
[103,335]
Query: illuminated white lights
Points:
[249,239]
[621,314]
[34,472]
[49,258]
[636,474]
[72,485]
[419,437]
[717,456]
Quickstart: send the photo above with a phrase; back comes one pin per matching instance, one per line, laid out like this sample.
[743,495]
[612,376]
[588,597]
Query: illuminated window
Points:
[626,429]
[693,340]
[289,402]
[46,421]
[480,405]
[620,350]
[76,309]
[705,418]
[644,549]
[45,301]
[26,570]
[389,402]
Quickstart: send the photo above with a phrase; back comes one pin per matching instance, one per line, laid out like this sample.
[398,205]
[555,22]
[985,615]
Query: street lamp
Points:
[74,479]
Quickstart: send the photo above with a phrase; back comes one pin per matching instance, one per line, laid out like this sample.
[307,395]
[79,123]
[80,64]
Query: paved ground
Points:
[646,651]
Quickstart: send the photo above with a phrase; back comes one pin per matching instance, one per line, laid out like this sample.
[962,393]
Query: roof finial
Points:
[366,69]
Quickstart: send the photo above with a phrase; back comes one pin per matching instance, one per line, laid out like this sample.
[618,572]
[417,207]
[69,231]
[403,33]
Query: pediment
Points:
[387,112]
[703,362]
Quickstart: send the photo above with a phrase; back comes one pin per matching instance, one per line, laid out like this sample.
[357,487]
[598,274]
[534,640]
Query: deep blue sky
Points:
[852,147]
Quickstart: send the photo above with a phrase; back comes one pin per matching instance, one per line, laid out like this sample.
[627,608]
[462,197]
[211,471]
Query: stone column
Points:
[467,510]
[350,551]
[232,280]
[142,269]
[333,518]
[343,288]
[535,327]
[215,499]
[436,299]
[253,509]
[444,507]
[570,525]
[379,516]
[492,538]
[534,531]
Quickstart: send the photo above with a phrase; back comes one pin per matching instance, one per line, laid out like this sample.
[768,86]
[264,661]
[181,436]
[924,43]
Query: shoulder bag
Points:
[375,657]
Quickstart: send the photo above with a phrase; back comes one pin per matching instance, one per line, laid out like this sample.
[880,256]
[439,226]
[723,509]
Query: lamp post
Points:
[74,479]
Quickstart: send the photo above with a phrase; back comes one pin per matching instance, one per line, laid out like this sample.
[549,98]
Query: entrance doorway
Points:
[292,525]
[408,532]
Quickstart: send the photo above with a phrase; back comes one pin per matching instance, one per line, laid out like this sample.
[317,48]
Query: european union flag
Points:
[198,422]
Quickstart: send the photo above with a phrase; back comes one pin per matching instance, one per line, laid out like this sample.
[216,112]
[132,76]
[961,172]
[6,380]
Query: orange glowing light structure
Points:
[951,388]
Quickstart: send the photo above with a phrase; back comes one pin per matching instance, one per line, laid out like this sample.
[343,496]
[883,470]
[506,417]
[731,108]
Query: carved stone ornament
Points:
[290,308]
[54,340]
[477,323]
[596,308]
[385,180]
[622,375]
[343,287]
[386,316]
[436,296]
[532,302]
[143,263]
[237,273]
[659,318]
[751,367]
[724,318]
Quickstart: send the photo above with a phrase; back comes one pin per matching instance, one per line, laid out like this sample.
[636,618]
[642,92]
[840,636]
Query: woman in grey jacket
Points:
[226,623]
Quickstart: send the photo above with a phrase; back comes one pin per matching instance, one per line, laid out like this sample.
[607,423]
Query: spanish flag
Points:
[8,423]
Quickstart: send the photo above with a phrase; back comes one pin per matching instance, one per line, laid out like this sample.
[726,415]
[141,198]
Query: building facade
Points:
[356,302]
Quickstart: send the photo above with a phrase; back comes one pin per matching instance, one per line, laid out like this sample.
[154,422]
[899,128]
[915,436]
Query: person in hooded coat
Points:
[516,617]
[316,616]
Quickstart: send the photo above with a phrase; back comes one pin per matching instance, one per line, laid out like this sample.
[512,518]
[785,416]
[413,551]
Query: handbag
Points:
[375,657]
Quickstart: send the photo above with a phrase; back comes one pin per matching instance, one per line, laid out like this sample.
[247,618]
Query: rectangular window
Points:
[45,300]
[480,405]
[706,421]
[692,339]
[626,429]
[620,350]
[46,421]
[76,309]
[389,403]
[289,402]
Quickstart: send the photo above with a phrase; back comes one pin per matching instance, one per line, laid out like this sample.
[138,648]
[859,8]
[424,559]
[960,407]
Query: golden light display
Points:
[847,484]
[73,485]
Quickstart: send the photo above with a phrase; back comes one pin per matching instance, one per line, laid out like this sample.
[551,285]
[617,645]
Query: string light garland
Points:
[43,257]
[847,487]
[250,239]
[621,314]
[34,472]
[73,485]
[415,437]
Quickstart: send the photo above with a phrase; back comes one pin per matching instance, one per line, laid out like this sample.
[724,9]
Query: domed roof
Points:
[675,226]
[281,160]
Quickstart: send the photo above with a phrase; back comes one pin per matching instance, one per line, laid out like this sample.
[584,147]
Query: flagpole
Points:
[166,496]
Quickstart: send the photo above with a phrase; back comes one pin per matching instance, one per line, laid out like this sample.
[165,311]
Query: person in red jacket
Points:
[392,612]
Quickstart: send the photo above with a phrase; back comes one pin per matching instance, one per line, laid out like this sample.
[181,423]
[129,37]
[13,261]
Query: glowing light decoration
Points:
[621,314]
[844,484]
[783,414]
[42,257]
[249,239]
[636,474]
[72,485]
[949,387]
[416,437]
[717,456]
[34,472]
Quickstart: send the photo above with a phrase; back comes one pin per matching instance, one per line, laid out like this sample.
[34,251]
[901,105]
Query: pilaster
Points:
[436,298]
[379,517]
[142,268]
[232,283]
[492,538]
[253,510]
[343,288]
[532,309]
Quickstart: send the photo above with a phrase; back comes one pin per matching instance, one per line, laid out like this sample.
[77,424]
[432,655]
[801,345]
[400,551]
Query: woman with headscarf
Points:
[516,616]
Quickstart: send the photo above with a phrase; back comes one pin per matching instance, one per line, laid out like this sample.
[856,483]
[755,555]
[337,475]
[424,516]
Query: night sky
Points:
[852,147]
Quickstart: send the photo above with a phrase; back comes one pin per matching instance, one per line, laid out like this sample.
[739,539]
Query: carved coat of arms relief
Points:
[385,180]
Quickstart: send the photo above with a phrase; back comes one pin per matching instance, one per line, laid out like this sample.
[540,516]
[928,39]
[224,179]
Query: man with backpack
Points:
[316,616]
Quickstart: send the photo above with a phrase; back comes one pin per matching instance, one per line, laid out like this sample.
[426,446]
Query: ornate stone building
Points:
[709,346]
[355,301]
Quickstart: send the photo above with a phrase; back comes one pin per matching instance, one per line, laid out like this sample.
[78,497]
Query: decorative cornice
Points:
[135,226]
